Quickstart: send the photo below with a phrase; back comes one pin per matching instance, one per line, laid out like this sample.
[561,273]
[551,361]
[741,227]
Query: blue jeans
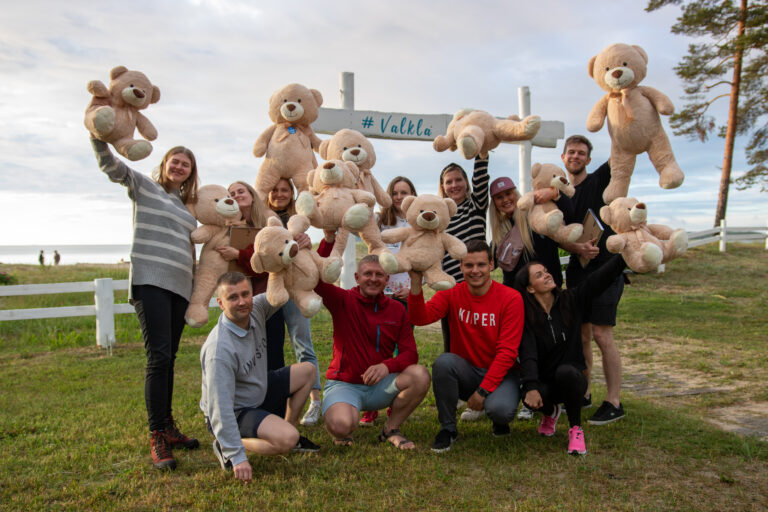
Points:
[301,337]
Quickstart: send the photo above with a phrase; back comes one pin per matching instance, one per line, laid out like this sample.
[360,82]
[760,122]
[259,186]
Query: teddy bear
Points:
[424,241]
[293,272]
[339,206]
[287,146]
[352,146]
[545,218]
[476,132]
[114,113]
[633,112]
[643,246]
[216,211]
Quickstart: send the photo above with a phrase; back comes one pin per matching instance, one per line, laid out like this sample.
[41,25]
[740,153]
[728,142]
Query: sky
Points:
[217,62]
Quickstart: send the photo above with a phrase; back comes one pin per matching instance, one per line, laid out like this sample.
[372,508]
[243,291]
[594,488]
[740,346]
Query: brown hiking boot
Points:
[176,438]
[162,456]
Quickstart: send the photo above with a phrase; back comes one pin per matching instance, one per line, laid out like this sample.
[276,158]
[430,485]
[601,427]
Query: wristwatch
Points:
[483,393]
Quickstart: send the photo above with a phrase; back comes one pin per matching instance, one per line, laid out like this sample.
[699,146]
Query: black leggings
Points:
[275,328]
[568,387]
[161,317]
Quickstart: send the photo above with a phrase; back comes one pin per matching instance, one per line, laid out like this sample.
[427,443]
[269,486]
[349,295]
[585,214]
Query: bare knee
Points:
[339,425]
[414,377]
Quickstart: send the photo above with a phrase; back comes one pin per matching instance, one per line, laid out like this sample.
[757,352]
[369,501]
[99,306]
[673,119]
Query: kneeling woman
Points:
[551,354]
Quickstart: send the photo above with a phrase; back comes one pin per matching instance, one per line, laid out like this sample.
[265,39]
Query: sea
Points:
[70,254]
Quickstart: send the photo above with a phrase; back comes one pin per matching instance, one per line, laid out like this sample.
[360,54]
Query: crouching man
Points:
[242,400]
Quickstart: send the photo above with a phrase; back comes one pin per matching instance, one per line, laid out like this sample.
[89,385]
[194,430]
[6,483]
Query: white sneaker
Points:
[471,415]
[460,404]
[313,413]
[524,413]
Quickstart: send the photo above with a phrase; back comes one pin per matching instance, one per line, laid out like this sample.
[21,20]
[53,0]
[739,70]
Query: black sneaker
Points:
[225,464]
[586,402]
[443,441]
[607,413]
[305,446]
[500,430]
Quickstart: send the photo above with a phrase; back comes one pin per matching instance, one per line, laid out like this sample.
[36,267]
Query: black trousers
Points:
[567,388]
[161,316]
[275,327]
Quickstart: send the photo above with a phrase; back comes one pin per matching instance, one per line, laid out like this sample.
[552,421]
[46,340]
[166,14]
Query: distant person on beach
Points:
[41,258]
[162,259]
[56,258]
[243,401]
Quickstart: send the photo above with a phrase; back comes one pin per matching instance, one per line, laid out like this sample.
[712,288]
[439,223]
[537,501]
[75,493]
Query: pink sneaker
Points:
[548,423]
[368,418]
[576,445]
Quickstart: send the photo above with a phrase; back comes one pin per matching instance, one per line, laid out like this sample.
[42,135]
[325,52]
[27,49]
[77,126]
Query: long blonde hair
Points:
[258,214]
[500,224]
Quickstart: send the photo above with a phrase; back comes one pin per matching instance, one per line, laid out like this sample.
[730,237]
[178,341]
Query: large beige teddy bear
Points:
[113,113]
[545,218]
[339,205]
[216,211]
[643,246]
[424,241]
[293,272]
[633,118]
[476,132]
[287,146]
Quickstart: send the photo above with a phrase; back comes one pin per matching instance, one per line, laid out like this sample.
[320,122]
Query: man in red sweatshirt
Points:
[363,375]
[485,319]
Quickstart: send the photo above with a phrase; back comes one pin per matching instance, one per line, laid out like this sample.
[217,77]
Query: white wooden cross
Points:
[400,126]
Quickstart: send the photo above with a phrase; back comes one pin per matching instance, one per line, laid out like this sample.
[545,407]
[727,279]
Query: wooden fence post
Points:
[524,151]
[722,235]
[104,300]
[347,92]
[766,237]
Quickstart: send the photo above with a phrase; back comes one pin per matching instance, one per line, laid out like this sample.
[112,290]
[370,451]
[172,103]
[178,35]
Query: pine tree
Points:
[729,60]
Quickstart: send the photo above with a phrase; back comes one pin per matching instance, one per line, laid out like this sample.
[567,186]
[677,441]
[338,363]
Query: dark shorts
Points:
[605,305]
[278,391]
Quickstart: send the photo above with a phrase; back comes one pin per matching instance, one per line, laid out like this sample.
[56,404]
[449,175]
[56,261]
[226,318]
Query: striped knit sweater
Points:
[161,251]
[469,221]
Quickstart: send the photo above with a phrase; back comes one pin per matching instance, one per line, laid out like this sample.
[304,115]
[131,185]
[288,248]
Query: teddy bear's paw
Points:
[554,221]
[388,262]
[614,190]
[311,307]
[574,232]
[140,149]
[305,204]
[532,125]
[104,120]
[679,239]
[467,147]
[652,255]
[196,316]
[357,216]
[671,176]
[441,285]
[332,270]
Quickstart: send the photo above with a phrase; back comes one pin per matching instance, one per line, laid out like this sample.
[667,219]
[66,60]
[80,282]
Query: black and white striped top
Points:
[469,221]
[161,252]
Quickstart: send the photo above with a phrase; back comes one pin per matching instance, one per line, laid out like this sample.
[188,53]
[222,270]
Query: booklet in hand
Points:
[593,229]
[240,237]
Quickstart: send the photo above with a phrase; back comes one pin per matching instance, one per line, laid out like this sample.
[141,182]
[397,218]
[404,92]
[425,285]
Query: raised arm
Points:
[420,313]
[480,182]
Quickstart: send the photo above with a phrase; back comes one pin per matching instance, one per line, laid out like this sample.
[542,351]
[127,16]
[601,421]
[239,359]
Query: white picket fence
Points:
[105,309]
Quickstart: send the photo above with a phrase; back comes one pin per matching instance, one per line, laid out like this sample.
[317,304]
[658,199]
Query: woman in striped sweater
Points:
[162,258]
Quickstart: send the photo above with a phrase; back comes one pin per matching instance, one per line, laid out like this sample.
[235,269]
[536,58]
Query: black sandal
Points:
[384,437]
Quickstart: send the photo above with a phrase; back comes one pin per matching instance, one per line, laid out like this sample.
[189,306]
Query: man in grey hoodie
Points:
[242,401]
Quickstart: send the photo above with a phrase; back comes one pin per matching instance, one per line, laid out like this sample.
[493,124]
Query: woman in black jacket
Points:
[551,354]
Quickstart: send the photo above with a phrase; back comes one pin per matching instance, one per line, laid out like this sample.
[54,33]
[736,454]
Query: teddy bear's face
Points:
[132,88]
[548,175]
[428,212]
[215,207]
[350,146]
[624,214]
[333,173]
[273,249]
[618,66]
[295,104]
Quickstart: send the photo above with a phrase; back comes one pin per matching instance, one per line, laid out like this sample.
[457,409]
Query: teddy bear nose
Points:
[294,250]
[229,201]
[328,165]
[355,152]
[428,216]
[138,93]
[640,206]
[563,180]
[617,73]
[291,107]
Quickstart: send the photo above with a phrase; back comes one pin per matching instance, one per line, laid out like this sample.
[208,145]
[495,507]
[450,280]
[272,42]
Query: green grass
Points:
[73,427]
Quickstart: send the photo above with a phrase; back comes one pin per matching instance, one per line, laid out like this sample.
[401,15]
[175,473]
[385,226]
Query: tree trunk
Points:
[730,133]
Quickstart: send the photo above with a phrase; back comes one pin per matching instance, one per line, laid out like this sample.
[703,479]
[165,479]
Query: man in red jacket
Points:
[363,375]
[485,319]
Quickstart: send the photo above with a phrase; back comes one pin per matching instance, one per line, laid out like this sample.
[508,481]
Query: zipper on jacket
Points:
[378,328]
[552,329]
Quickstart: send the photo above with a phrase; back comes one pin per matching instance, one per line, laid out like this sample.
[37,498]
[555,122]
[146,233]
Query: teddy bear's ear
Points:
[155,94]
[590,66]
[274,221]
[605,214]
[451,206]
[535,170]
[641,52]
[116,72]
[407,201]
[324,149]
[318,96]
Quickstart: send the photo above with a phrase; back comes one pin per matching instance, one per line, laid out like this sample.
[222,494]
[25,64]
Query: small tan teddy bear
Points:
[424,242]
[287,146]
[113,113]
[476,132]
[545,218]
[643,246]
[633,118]
[293,272]
[216,211]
